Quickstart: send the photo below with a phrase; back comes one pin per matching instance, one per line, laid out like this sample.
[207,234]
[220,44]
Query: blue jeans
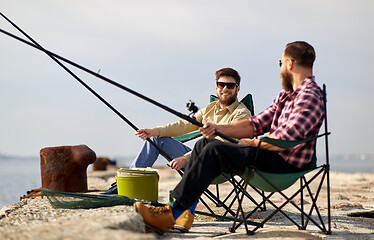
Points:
[148,154]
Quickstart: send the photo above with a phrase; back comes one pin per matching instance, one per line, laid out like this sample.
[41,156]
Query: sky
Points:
[169,51]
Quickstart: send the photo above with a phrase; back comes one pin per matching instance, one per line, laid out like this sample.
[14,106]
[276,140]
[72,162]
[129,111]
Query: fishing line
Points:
[88,88]
[183,116]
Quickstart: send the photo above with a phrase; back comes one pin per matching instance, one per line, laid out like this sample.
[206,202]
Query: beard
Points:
[286,80]
[228,101]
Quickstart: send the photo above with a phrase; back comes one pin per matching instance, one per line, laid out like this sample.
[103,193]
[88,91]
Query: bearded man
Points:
[226,110]
[295,114]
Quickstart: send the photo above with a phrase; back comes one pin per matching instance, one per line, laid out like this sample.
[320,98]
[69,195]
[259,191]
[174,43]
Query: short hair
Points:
[228,72]
[302,52]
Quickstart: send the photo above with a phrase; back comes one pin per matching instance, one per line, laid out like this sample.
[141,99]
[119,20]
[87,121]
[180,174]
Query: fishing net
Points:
[83,201]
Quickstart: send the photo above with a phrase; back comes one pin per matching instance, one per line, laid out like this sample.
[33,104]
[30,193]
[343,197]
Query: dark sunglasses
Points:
[229,85]
[280,62]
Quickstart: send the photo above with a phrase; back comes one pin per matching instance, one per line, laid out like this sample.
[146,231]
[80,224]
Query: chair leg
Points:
[241,185]
[240,209]
[263,198]
[243,191]
[302,205]
[327,169]
[217,191]
[255,209]
[211,196]
[314,205]
[288,200]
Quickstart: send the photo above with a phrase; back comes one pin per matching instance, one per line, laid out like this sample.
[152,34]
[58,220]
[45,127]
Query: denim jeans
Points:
[148,154]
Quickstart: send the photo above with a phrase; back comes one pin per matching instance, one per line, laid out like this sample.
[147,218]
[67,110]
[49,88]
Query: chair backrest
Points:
[326,129]
[313,163]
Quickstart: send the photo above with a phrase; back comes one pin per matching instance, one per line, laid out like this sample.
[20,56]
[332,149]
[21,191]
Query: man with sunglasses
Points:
[295,114]
[226,110]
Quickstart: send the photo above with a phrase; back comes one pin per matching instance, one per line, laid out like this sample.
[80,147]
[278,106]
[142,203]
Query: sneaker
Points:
[184,221]
[160,219]
[112,190]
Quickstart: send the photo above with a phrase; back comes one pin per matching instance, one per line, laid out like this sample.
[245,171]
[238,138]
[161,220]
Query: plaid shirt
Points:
[294,116]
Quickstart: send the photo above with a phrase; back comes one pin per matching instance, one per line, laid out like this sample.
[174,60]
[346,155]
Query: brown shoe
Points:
[159,219]
[184,221]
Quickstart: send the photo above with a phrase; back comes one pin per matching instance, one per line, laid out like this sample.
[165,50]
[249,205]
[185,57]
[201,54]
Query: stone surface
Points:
[64,168]
[36,219]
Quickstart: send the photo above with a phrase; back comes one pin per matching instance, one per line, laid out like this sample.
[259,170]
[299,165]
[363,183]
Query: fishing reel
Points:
[192,108]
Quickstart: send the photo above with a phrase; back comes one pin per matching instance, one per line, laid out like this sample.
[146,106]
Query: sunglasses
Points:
[229,85]
[280,62]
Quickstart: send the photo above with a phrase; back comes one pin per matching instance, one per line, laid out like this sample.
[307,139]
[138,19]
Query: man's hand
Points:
[248,142]
[208,130]
[264,145]
[147,133]
[178,163]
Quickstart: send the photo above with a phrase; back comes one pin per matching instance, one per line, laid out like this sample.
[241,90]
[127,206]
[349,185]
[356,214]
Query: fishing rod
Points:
[183,116]
[163,153]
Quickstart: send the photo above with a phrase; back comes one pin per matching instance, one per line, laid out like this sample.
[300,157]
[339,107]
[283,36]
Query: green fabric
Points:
[220,179]
[248,102]
[279,180]
[70,200]
[286,144]
[188,136]
[289,144]
[213,98]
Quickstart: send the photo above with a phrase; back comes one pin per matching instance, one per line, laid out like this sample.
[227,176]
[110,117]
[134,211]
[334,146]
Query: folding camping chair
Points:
[215,198]
[273,183]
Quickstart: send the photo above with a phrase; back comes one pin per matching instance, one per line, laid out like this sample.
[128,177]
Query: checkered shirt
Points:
[294,116]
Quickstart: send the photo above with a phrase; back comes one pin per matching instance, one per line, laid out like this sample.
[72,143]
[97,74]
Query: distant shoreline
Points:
[347,163]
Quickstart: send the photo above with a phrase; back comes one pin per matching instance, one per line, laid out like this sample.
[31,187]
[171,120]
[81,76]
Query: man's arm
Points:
[264,145]
[147,133]
[240,129]
[180,127]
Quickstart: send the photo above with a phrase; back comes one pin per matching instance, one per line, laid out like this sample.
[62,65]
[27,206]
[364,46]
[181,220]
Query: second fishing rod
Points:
[162,152]
[183,116]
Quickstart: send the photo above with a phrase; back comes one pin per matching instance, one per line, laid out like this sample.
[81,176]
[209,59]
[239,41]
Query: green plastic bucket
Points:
[139,183]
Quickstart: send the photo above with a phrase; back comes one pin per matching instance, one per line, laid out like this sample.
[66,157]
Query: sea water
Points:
[19,175]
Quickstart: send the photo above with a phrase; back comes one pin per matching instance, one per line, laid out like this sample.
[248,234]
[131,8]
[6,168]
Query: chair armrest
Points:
[289,144]
[188,136]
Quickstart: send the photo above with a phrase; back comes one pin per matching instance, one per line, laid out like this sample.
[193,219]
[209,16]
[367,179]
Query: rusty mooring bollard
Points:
[100,164]
[65,168]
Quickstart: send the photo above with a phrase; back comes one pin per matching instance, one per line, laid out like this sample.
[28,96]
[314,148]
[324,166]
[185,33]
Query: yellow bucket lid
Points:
[124,172]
